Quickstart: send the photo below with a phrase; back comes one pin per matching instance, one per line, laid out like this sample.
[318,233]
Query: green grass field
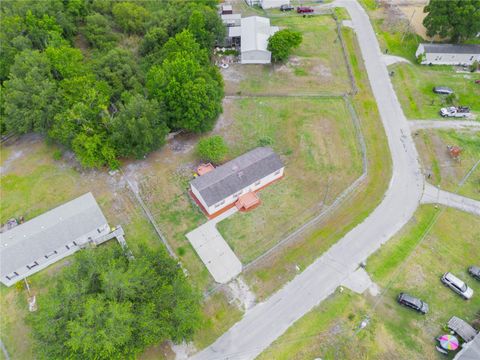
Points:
[317,142]
[445,171]
[410,262]
[414,83]
[316,67]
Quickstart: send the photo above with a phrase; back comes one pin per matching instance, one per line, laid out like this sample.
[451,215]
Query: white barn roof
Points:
[47,236]
[255,31]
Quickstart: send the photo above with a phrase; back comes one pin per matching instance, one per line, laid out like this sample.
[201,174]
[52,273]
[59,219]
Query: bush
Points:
[282,43]
[212,149]
[57,155]
[265,141]
[474,66]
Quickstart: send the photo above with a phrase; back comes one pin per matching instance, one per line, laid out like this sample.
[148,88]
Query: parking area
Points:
[214,251]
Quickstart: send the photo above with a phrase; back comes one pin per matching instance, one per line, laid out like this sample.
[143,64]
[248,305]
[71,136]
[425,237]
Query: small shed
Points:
[470,350]
[462,328]
[255,31]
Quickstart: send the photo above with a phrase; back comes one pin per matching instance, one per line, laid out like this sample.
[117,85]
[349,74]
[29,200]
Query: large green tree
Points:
[98,31]
[105,306]
[282,43]
[139,128]
[130,17]
[454,19]
[30,94]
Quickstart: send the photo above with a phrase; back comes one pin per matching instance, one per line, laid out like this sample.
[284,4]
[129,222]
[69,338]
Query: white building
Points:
[448,54]
[247,173]
[254,34]
[268,4]
[40,242]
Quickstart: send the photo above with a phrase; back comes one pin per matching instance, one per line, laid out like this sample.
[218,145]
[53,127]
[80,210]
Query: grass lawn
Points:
[405,263]
[316,67]
[445,171]
[316,140]
[275,271]
[414,83]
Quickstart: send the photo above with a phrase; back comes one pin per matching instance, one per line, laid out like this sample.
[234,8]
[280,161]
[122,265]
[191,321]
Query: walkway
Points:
[266,321]
[214,251]
[445,124]
[434,195]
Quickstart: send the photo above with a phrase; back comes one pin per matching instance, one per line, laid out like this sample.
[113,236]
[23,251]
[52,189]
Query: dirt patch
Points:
[322,71]
[241,294]
[416,275]
[233,73]
[447,164]
[225,119]
[8,161]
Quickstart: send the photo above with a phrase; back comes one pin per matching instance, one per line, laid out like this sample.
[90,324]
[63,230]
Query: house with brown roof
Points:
[236,182]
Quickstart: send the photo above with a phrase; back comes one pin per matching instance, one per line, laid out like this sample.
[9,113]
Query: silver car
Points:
[457,285]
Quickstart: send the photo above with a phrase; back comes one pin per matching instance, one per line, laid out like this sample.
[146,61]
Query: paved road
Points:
[445,124]
[266,321]
[434,195]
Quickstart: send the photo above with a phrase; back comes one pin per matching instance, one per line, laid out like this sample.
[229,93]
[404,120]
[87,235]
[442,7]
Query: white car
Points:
[457,285]
[453,111]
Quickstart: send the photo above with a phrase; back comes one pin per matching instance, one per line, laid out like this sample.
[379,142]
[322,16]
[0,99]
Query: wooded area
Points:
[109,79]
[107,306]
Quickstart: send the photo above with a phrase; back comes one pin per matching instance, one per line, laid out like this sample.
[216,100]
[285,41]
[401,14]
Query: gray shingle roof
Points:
[470,351]
[237,174]
[462,328]
[451,49]
[58,227]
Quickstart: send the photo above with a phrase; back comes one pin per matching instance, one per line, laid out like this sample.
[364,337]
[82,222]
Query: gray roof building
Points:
[32,246]
[452,48]
[470,350]
[237,174]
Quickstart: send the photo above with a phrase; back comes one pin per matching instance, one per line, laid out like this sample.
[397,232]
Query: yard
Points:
[414,83]
[410,262]
[316,139]
[445,171]
[316,67]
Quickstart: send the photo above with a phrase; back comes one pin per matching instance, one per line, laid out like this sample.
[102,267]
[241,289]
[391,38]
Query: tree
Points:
[212,149]
[30,95]
[282,43]
[454,19]
[65,61]
[119,69]
[130,17]
[98,31]
[188,94]
[104,306]
[139,128]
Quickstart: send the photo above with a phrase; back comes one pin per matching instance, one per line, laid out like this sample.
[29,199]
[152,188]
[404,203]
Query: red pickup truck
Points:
[304,10]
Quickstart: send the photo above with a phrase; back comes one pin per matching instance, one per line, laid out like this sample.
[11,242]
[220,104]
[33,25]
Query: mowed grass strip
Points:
[330,331]
[275,271]
[316,140]
[317,66]
[414,84]
[446,171]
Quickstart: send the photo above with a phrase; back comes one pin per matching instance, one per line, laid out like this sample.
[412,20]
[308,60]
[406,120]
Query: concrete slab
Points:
[358,281]
[214,251]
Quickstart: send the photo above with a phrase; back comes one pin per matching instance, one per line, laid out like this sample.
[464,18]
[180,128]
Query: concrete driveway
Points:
[214,251]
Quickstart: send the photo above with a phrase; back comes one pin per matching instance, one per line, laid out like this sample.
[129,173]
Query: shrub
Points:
[282,43]
[212,149]
[265,141]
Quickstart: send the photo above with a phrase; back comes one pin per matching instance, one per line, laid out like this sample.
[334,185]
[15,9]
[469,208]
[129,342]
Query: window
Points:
[53,253]
[471,58]
[71,245]
[12,275]
[32,265]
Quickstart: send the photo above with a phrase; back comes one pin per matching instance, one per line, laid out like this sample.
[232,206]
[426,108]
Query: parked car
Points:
[412,302]
[452,111]
[474,271]
[442,90]
[457,285]
[304,10]
[286,7]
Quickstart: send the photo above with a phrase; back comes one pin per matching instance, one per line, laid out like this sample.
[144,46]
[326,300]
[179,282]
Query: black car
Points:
[286,7]
[413,303]
[474,271]
[442,90]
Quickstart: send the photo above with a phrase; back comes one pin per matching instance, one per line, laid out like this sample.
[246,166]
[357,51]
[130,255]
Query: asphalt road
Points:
[266,321]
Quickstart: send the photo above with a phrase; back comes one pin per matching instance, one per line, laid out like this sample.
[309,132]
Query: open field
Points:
[316,139]
[414,83]
[406,263]
[316,67]
[275,271]
[445,171]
